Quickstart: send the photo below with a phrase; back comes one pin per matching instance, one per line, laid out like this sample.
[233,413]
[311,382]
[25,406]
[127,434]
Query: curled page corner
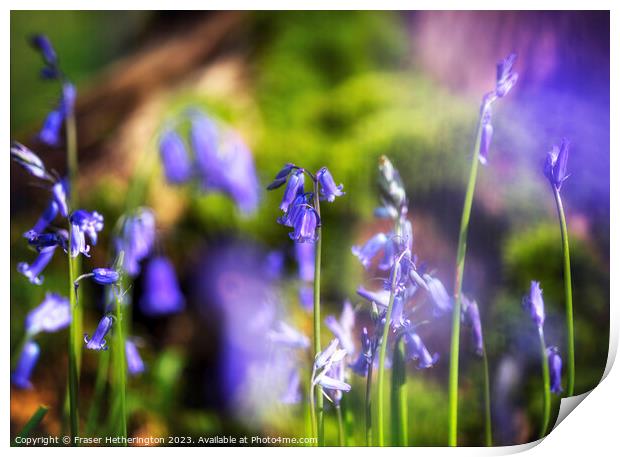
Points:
[567,405]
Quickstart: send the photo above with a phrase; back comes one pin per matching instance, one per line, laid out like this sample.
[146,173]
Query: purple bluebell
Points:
[174,157]
[137,239]
[333,383]
[329,355]
[53,314]
[29,161]
[60,191]
[33,271]
[360,366]
[274,264]
[343,328]
[439,295]
[306,295]
[287,336]
[533,302]
[161,290]
[52,128]
[391,187]
[370,249]
[288,219]
[84,223]
[292,394]
[46,218]
[40,241]
[281,177]
[328,188]
[20,378]
[304,255]
[204,138]
[486,135]
[105,276]
[98,342]
[44,45]
[294,187]
[555,164]
[135,364]
[506,77]
[417,351]
[328,371]
[555,369]
[381,297]
[471,315]
[304,225]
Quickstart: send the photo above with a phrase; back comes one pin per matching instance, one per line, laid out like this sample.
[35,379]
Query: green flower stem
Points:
[102,375]
[32,423]
[453,389]
[568,293]
[341,433]
[399,395]
[383,350]
[313,406]
[546,385]
[317,315]
[488,432]
[369,404]
[120,367]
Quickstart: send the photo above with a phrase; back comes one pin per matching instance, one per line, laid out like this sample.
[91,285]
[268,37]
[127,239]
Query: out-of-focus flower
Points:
[328,188]
[48,216]
[391,187]
[336,373]
[59,194]
[174,157]
[439,295]
[555,164]
[84,223]
[287,336]
[44,45]
[204,138]
[136,239]
[381,297]
[281,177]
[292,395]
[304,255]
[327,374]
[52,126]
[98,342]
[161,290]
[343,328]
[533,302]
[417,351]
[306,295]
[294,187]
[53,314]
[135,365]
[486,135]
[274,264]
[370,249]
[29,161]
[555,369]
[25,365]
[506,77]
[471,315]
[360,366]
[32,271]
[105,276]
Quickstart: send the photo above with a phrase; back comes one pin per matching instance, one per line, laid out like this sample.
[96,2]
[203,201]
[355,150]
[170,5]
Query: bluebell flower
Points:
[60,192]
[174,157]
[381,297]
[292,394]
[105,276]
[41,241]
[135,364]
[471,315]
[361,365]
[328,371]
[294,209]
[52,128]
[533,302]
[48,216]
[98,342]
[417,351]
[137,239]
[161,290]
[84,223]
[506,77]
[281,177]
[204,137]
[370,249]
[333,382]
[53,314]
[391,187]
[29,161]
[44,45]
[304,225]
[274,264]
[439,295]
[294,187]
[343,328]
[240,173]
[306,295]
[25,365]
[486,134]
[555,164]
[33,271]
[328,188]
[287,336]
[555,369]
[329,355]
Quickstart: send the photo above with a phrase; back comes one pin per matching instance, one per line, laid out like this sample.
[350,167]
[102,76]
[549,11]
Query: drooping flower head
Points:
[51,131]
[105,276]
[439,295]
[343,328]
[555,164]
[416,350]
[31,162]
[370,249]
[20,378]
[555,369]
[98,342]
[365,357]
[53,314]
[162,294]
[174,156]
[294,187]
[471,315]
[135,364]
[33,271]
[137,239]
[533,302]
[506,77]
[328,188]
[305,224]
[84,224]
[44,46]
[327,374]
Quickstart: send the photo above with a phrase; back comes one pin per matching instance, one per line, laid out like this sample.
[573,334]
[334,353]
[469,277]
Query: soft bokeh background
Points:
[334,89]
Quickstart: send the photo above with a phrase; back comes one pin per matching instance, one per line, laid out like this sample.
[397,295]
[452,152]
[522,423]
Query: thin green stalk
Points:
[73,350]
[72,159]
[488,432]
[399,395]
[369,404]
[546,386]
[568,293]
[453,389]
[313,406]
[348,421]
[317,314]
[32,423]
[383,350]
[120,368]
[340,427]
[102,375]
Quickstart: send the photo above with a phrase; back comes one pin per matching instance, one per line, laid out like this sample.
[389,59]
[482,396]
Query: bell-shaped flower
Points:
[53,314]
[471,315]
[84,223]
[439,295]
[48,216]
[506,77]
[174,157]
[281,177]
[533,302]
[98,342]
[29,161]
[555,369]
[20,378]
[556,164]
[161,290]
[360,366]
[343,328]
[105,276]
[33,271]
[417,351]
[305,224]
[44,46]
[137,239]
[328,188]
[135,364]
[287,336]
[367,252]
[294,187]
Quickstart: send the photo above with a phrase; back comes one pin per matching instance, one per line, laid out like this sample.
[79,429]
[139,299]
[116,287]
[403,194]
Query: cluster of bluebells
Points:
[533,303]
[300,208]
[506,78]
[221,161]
